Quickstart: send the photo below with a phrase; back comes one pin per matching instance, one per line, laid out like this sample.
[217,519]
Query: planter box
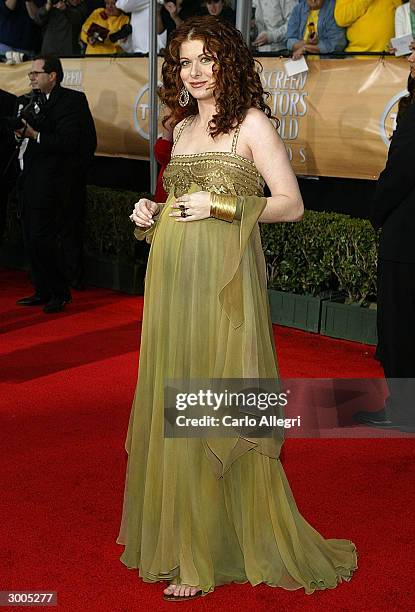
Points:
[348,322]
[99,272]
[292,310]
[125,277]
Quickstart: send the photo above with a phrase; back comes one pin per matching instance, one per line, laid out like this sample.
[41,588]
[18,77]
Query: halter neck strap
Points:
[179,133]
[235,139]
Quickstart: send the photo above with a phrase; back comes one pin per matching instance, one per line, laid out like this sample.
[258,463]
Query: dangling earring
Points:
[184,97]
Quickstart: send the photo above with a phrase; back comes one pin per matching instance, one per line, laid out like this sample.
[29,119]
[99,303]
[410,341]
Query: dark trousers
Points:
[41,237]
[396,330]
[72,231]
[3,210]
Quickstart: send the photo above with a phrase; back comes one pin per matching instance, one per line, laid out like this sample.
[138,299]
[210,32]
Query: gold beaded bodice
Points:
[214,171]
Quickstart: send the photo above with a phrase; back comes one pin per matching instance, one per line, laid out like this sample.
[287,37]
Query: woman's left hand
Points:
[191,207]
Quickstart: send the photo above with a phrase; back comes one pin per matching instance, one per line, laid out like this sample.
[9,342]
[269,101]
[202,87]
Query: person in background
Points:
[405,19]
[394,214]
[370,23]
[174,13]
[94,4]
[100,25]
[18,32]
[406,101]
[312,29]
[138,41]
[61,23]
[7,161]
[73,214]
[49,148]
[271,19]
[220,8]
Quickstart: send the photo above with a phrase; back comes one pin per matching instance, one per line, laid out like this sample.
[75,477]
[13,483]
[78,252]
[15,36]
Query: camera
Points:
[33,112]
[120,34]
[97,33]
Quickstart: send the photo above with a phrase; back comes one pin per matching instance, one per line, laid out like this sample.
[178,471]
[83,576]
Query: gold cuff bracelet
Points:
[223,206]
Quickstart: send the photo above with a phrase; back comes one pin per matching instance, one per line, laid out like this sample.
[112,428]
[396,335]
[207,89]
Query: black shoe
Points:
[379,419]
[78,286]
[32,300]
[374,419]
[57,304]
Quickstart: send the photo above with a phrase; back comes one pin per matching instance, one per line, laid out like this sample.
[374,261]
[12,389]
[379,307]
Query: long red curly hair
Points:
[238,85]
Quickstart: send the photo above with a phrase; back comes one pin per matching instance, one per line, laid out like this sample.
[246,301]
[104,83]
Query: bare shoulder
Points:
[259,132]
[256,118]
[257,125]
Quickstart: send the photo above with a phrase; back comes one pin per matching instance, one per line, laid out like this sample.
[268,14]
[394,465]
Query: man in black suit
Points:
[7,162]
[394,213]
[72,229]
[50,152]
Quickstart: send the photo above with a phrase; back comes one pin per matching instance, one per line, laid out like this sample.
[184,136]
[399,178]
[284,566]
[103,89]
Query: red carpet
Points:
[64,407]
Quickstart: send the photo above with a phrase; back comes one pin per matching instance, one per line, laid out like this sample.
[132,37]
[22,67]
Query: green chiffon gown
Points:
[204,511]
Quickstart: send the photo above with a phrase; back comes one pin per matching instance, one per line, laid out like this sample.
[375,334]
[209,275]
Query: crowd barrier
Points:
[336,119]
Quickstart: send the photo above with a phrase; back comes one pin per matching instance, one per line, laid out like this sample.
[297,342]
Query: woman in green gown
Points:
[201,512]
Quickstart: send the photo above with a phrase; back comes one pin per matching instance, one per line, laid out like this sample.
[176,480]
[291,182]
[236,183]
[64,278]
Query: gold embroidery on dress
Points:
[217,171]
[214,171]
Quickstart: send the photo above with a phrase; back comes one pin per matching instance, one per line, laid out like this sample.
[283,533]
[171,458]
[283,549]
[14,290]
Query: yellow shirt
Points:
[113,23]
[312,18]
[370,23]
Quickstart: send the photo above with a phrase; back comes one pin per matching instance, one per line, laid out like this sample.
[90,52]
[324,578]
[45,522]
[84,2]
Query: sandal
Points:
[173,597]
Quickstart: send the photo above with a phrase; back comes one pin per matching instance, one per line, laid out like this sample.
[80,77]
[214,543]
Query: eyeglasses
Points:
[35,73]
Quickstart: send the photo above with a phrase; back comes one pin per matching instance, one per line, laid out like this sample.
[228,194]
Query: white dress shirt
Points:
[25,141]
[271,16]
[138,41]
[403,20]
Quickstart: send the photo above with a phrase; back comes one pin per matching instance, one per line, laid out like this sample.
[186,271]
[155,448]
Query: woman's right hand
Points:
[144,211]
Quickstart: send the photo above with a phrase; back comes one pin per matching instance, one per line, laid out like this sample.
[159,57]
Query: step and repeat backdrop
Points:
[336,119]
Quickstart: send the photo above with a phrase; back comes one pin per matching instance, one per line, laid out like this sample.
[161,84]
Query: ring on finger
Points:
[182,207]
[183,214]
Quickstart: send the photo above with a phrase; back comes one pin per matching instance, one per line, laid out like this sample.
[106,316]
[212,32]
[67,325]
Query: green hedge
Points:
[108,229]
[324,253]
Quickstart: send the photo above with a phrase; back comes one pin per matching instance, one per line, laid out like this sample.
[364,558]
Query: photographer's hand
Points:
[27,131]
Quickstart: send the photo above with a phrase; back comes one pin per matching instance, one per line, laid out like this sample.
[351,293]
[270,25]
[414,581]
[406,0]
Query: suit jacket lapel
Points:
[55,94]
